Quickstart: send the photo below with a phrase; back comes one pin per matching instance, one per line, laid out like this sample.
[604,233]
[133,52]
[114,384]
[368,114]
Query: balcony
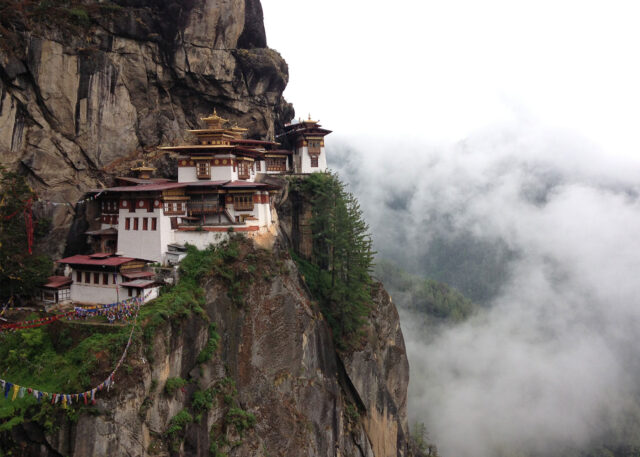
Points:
[205,208]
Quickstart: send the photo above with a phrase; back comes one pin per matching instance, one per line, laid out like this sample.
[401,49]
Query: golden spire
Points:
[214,121]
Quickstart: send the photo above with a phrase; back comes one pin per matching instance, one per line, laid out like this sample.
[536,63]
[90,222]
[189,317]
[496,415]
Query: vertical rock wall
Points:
[78,103]
[276,353]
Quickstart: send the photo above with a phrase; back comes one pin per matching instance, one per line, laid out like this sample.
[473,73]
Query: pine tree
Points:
[339,274]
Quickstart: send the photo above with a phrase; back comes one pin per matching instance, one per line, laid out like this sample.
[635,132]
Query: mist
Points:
[541,227]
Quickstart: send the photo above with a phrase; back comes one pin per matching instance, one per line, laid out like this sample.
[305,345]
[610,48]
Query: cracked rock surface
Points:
[79,103]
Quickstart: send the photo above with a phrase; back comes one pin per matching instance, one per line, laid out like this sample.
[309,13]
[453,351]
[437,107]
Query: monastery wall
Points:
[140,243]
[305,161]
[201,240]
[98,293]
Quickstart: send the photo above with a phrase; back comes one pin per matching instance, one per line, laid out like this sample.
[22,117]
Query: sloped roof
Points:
[57,282]
[139,283]
[138,274]
[87,260]
[142,187]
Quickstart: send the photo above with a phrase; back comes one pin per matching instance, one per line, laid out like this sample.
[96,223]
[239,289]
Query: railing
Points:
[203,208]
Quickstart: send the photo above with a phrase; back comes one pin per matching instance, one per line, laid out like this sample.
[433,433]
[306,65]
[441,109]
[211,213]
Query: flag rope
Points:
[86,397]
[120,310]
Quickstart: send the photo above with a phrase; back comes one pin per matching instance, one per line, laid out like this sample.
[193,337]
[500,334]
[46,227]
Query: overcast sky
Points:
[440,70]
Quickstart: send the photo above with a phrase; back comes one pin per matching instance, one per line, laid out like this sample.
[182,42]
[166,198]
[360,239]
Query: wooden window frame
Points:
[203,169]
[105,279]
[154,223]
[127,223]
[87,277]
[244,170]
[96,278]
[314,161]
[276,164]
[243,202]
[145,223]
[64,294]
[135,223]
[78,276]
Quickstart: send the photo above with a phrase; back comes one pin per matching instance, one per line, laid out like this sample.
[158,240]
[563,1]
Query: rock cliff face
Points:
[275,360]
[85,90]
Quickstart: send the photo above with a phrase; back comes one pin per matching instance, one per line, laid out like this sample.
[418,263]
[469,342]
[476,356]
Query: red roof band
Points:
[178,185]
[57,282]
[88,260]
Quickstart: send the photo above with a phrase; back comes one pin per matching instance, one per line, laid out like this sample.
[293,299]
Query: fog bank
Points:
[542,228]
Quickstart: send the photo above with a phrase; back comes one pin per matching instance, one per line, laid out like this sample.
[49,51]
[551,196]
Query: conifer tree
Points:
[339,273]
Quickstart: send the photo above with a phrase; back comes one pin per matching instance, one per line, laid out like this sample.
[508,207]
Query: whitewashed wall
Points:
[305,161]
[143,244]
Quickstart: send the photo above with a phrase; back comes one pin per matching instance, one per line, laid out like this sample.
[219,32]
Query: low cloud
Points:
[551,224]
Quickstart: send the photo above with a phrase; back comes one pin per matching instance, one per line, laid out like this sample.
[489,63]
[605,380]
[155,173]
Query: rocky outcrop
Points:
[379,372]
[88,88]
[275,360]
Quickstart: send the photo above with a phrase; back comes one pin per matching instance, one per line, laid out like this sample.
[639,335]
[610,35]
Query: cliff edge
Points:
[270,382]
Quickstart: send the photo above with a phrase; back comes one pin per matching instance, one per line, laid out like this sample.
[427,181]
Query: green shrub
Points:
[179,422]
[212,345]
[240,419]
[202,400]
[174,384]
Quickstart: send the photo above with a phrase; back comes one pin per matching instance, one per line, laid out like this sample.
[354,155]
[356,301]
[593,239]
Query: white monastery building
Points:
[221,187]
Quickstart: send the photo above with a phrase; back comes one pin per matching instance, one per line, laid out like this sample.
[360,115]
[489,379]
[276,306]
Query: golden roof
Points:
[309,120]
[214,120]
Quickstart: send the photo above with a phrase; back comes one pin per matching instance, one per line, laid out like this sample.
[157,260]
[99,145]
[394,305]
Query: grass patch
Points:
[74,357]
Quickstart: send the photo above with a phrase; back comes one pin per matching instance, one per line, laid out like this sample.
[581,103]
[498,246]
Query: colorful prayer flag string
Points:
[16,390]
[122,310]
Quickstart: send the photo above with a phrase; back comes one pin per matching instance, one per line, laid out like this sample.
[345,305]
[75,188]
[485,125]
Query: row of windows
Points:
[145,223]
[141,204]
[98,278]
[274,164]
[110,205]
[174,207]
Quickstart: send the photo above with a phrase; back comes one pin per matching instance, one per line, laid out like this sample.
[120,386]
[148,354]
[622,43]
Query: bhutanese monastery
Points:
[221,187]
